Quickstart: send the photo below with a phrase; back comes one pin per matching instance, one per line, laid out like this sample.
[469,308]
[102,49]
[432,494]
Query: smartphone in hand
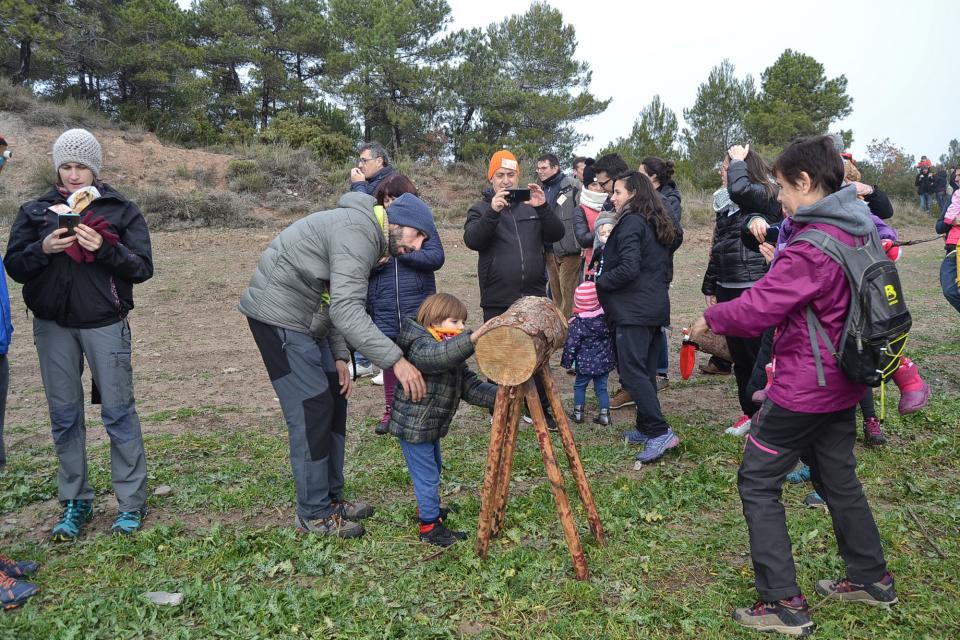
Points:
[518,195]
[68,221]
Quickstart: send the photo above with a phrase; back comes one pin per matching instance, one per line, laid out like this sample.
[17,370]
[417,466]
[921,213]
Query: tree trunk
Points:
[22,76]
[514,345]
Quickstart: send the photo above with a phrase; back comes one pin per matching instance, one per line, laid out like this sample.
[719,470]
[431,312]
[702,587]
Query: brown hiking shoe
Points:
[352,510]
[878,594]
[621,399]
[334,525]
[712,369]
[790,617]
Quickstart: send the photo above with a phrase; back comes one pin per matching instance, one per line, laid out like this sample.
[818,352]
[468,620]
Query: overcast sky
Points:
[896,56]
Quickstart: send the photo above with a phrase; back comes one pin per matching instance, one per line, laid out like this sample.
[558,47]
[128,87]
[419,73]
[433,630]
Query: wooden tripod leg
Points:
[570,447]
[556,480]
[506,461]
[492,475]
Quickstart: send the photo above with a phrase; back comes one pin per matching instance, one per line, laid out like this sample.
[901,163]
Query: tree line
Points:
[325,74]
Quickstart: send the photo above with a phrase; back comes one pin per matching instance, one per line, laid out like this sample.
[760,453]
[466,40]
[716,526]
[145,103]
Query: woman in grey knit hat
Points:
[78,250]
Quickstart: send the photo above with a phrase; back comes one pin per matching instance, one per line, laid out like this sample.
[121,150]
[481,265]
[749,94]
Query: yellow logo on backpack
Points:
[892,297]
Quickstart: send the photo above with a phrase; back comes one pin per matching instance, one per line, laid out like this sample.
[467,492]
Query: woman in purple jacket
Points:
[801,418]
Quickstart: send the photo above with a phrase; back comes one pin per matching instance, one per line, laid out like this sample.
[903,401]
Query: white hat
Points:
[78,145]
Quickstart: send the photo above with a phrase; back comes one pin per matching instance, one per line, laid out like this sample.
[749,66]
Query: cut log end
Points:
[506,355]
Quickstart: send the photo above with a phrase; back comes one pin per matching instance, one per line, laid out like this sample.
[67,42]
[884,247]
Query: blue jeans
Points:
[663,358]
[948,281]
[423,462]
[599,386]
[925,201]
[361,359]
[942,201]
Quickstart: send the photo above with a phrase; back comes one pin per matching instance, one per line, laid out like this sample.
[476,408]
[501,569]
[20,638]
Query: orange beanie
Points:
[502,159]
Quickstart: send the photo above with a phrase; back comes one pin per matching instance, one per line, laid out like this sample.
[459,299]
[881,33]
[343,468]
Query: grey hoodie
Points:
[842,209]
[312,278]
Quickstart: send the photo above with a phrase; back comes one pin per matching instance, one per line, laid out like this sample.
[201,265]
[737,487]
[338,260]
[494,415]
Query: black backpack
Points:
[875,331]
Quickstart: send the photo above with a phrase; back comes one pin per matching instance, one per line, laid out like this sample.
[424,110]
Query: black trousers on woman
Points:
[744,353]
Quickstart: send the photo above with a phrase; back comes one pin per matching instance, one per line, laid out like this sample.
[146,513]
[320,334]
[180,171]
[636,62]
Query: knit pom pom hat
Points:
[78,145]
[585,296]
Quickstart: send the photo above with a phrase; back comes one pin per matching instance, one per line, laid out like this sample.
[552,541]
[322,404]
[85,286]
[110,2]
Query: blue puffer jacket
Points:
[398,287]
[6,325]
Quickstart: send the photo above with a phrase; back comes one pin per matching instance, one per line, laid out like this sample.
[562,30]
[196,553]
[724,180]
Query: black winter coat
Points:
[730,260]
[670,196]
[633,287]
[87,295]
[510,244]
[924,183]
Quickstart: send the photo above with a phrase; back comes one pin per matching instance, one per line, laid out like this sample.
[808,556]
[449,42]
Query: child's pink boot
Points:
[914,391]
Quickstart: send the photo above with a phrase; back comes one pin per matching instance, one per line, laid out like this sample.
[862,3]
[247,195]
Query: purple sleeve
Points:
[886,231]
[792,282]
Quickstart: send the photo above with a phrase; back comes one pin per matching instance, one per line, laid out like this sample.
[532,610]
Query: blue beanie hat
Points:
[410,211]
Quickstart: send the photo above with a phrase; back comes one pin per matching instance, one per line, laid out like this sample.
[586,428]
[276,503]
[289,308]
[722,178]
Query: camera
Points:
[518,195]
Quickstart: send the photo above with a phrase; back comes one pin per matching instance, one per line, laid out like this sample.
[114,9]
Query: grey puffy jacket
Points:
[325,252]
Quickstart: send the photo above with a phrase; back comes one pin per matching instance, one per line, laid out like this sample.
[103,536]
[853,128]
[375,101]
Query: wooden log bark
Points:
[491,477]
[573,456]
[556,481]
[506,460]
[518,342]
[715,345]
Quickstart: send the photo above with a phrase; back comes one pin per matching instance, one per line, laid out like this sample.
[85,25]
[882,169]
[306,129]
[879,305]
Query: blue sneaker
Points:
[635,437]
[814,500]
[656,447]
[16,569]
[799,476]
[14,593]
[76,513]
[128,522]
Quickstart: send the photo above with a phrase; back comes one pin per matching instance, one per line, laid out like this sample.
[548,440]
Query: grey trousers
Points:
[303,374]
[4,383]
[107,350]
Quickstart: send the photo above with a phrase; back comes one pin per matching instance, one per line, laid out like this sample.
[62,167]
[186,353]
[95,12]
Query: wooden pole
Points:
[556,480]
[506,460]
[573,456]
[492,475]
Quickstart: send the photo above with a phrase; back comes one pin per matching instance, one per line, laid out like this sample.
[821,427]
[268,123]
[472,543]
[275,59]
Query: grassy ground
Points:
[676,562]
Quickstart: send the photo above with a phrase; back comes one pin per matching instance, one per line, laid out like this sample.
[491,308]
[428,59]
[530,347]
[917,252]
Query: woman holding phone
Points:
[79,285]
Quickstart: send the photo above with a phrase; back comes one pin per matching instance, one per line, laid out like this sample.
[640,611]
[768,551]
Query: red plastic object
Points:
[688,356]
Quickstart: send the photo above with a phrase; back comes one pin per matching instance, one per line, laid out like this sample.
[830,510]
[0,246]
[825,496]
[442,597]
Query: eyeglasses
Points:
[363,160]
[603,185]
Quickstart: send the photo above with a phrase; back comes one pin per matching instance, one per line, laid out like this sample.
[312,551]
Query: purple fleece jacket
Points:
[802,275]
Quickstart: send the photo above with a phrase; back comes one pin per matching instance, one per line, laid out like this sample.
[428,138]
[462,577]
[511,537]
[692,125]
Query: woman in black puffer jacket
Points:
[749,192]
[399,285]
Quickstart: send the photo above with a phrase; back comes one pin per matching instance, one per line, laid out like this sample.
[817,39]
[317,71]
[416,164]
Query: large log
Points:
[515,344]
[715,345]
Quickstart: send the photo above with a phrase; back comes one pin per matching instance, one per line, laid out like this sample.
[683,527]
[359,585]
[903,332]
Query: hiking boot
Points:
[799,475]
[662,382]
[656,447]
[740,427]
[14,593]
[603,418]
[17,570]
[76,513]
[914,391]
[552,423]
[872,435]
[711,369]
[790,617]
[621,399]
[333,525]
[352,510]
[444,512]
[128,522]
[383,427]
[814,500]
[577,413]
[635,437]
[878,594]
[436,533]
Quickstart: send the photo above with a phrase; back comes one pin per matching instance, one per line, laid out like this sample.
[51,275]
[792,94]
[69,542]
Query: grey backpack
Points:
[878,323]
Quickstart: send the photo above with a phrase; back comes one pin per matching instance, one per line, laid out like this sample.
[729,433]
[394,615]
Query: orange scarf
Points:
[443,334]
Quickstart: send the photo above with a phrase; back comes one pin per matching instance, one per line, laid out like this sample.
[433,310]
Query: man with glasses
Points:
[563,256]
[373,166]
[607,169]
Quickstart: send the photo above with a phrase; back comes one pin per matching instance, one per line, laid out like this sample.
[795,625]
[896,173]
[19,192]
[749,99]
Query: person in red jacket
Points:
[802,419]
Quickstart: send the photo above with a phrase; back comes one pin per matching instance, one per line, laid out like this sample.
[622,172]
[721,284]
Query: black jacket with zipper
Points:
[80,295]
[510,244]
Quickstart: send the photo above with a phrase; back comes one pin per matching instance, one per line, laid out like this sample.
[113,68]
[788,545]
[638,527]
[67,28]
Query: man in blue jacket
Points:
[373,166]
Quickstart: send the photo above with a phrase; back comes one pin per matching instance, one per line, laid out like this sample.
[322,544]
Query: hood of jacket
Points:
[842,209]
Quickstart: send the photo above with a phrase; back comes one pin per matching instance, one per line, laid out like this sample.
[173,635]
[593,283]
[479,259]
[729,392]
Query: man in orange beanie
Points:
[508,229]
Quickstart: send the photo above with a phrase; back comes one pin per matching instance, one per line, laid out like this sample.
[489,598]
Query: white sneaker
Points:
[362,371]
[378,379]
[740,427]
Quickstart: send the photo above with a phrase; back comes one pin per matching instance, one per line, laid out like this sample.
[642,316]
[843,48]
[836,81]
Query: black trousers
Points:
[778,438]
[744,353]
[638,348]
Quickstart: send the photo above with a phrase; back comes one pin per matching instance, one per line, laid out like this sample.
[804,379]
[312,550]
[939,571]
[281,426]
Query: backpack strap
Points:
[814,328]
